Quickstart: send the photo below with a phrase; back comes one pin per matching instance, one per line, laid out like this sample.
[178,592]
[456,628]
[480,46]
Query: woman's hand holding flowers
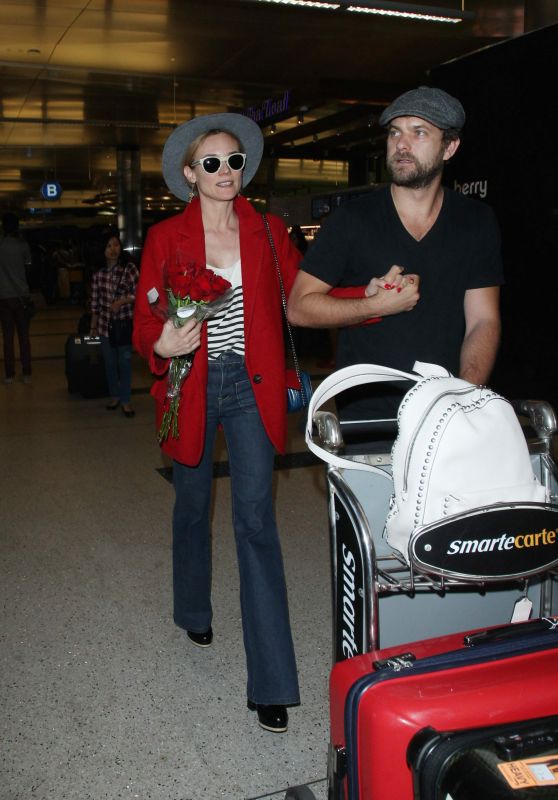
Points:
[180,341]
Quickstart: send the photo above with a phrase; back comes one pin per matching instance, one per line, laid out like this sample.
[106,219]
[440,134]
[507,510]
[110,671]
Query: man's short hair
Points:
[450,135]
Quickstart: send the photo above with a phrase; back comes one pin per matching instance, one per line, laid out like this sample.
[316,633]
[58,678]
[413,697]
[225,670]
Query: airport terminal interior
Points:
[103,697]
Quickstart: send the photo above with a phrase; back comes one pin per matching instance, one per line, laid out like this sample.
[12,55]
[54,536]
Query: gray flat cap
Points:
[243,128]
[433,105]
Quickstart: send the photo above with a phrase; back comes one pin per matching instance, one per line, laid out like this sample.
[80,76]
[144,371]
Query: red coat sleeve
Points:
[354,291]
[147,326]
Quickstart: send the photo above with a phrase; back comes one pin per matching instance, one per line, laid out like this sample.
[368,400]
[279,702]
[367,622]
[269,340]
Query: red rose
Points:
[180,285]
[201,287]
[218,287]
[196,282]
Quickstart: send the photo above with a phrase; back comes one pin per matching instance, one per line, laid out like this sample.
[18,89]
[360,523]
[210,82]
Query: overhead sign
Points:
[269,108]
[51,190]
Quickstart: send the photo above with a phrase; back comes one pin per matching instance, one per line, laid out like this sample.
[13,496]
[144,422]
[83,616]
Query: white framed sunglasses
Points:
[212,164]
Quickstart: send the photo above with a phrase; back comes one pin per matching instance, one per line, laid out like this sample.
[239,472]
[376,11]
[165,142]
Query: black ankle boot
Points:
[203,639]
[272,718]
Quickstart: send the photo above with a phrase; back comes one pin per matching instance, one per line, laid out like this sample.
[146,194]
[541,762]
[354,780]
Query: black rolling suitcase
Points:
[85,369]
[515,761]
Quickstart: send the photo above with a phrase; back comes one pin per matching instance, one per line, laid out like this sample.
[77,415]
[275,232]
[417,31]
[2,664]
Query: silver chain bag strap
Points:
[297,398]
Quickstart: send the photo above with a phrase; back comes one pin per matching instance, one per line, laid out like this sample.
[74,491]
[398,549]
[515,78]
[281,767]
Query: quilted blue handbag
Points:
[298,396]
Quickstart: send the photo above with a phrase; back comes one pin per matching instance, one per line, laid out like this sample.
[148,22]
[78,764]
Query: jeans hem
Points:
[191,628]
[275,702]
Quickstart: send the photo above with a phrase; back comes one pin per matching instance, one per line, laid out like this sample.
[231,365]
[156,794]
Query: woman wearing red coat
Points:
[237,381]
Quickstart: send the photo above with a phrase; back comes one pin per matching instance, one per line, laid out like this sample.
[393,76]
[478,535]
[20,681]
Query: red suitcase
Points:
[395,712]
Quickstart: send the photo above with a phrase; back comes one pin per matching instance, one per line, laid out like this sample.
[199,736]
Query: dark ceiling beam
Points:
[330,122]
[366,136]
[362,139]
[362,90]
[317,152]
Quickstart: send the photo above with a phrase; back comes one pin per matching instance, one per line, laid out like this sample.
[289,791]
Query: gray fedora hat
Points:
[433,105]
[243,128]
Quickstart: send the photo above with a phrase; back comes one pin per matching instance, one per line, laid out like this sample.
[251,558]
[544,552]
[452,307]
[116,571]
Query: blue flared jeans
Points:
[270,659]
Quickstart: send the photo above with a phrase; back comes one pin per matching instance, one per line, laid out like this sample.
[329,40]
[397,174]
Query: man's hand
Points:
[396,291]
[178,341]
[311,306]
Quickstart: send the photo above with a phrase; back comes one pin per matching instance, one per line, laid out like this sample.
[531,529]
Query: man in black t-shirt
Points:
[425,262]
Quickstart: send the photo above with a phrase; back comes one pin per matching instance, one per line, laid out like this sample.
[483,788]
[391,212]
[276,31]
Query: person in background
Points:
[113,290]
[237,381]
[387,242]
[15,258]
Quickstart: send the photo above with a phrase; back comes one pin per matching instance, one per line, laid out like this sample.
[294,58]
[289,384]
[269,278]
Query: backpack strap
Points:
[356,375]
[338,382]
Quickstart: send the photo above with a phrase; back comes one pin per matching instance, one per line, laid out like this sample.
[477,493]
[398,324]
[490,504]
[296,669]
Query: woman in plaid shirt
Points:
[113,291]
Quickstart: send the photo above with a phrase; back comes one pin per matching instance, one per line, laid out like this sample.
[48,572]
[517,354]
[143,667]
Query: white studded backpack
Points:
[459,447]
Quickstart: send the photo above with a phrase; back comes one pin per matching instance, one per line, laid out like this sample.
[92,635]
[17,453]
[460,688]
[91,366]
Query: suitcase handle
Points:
[510,631]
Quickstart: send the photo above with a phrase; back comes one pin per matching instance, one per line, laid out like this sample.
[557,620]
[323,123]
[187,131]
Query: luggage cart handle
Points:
[331,432]
[541,417]
[510,631]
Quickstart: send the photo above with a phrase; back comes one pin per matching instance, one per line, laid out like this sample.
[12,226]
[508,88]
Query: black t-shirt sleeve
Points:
[328,256]
[485,267]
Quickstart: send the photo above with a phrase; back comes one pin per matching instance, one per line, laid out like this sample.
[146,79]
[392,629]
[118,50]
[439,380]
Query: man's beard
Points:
[418,178]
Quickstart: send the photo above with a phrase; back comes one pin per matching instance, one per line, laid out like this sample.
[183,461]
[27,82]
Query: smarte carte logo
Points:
[348,604]
[520,541]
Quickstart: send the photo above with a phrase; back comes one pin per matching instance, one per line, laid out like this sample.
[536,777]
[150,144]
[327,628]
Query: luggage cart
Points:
[393,602]
[381,602]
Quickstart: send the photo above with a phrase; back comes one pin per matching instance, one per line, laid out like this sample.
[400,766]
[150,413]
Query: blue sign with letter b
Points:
[51,190]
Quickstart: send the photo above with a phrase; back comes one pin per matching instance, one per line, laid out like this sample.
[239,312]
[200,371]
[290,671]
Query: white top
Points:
[225,331]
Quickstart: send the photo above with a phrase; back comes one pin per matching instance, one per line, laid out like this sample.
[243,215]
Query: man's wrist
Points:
[373,305]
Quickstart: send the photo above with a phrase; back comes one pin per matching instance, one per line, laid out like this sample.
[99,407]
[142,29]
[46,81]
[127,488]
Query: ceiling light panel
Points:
[383,8]
[304,3]
[414,15]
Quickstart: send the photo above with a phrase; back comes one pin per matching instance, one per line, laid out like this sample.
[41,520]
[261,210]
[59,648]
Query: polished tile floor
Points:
[102,696]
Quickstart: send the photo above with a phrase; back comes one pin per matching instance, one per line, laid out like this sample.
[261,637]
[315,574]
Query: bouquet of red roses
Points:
[192,292]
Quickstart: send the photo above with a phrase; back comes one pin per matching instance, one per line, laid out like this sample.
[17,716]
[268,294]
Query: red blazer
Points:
[263,322]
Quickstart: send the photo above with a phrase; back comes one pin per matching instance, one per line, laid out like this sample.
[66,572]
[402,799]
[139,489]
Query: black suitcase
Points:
[85,369]
[515,761]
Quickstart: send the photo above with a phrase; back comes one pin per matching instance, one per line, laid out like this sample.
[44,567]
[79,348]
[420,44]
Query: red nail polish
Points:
[398,289]
[388,286]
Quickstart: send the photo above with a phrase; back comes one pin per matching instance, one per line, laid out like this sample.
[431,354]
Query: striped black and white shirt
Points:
[225,331]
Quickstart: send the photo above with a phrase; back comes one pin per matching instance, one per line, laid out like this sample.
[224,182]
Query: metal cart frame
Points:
[365,570]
